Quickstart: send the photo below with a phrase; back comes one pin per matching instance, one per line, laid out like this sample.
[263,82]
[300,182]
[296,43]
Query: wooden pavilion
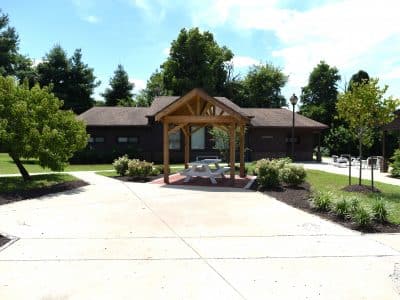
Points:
[392,126]
[196,110]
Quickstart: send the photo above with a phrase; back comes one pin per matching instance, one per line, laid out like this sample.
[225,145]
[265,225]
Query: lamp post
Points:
[293,100]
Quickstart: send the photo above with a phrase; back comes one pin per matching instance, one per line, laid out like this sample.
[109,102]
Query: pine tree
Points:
[120,90]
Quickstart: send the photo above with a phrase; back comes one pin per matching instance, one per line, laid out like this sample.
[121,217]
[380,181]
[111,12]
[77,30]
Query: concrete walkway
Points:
[145,241]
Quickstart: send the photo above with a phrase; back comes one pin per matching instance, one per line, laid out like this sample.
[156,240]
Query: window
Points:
[127,139]
[198,138]
[97,139]
[296,140]
[175,141]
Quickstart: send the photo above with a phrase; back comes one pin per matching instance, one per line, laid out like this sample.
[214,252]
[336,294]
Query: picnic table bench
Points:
[202,169]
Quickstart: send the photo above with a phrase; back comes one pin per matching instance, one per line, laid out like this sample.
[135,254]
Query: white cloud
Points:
[166,51]
[140,84]
[348,34]
[155,10]
[243,61]
[392,74]
[91,19]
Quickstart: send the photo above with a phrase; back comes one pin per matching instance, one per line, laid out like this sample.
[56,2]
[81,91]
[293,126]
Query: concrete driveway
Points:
[145,241]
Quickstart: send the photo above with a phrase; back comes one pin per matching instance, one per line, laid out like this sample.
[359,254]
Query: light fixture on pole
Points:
[293,100]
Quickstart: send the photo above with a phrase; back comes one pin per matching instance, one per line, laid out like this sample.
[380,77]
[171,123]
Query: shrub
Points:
[155,171]
[121,165]
[396,164]
[139,169]
[379,211]
[342,208]
[322,200]
[293,175]
[362,217]
[267,173]
[354,204]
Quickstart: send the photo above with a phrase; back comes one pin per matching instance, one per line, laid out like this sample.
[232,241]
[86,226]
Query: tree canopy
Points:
[120,90]
[33,126]
[360,77]
[319,96]
[12,63]
[364,108]
[71,80]
[196,60]
[262,87]
[154,87]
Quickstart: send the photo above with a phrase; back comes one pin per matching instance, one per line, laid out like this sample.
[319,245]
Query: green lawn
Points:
[324,181]
[15,184]
[7,166]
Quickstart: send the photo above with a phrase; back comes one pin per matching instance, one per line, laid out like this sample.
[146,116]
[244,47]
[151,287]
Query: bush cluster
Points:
[272,173]
[396,164]
[134,167]
[350,208]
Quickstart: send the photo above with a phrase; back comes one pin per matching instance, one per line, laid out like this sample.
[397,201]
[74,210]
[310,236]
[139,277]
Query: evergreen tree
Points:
[12,63]
[72,81]
[121,88]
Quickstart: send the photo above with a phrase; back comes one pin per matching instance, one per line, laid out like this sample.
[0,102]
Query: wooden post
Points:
[384,166]
[186,132]
[319,158]
[241,146]
[166,151]
[232,150]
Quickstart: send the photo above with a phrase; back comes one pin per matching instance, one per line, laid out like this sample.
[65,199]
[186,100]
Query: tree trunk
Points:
[360,153]
[21,168]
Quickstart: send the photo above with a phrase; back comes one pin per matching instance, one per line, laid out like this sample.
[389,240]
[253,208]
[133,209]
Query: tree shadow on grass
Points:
[14,189]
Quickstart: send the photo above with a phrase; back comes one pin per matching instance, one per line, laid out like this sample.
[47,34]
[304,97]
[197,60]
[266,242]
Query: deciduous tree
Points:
[33,126]
[196,60]
[262,87]
[319,97]
[364,108]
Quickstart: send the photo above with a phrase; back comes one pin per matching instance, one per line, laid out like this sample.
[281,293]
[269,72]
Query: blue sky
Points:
[294,35]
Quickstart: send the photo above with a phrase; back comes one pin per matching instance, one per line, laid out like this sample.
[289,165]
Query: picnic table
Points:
[202,168]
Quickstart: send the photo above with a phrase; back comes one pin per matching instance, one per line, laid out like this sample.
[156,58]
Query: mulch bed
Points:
[299,197]
[3,240]
[39,192]
[134,179]
[360,189]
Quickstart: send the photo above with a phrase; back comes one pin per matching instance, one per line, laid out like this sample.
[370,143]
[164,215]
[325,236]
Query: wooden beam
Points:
[198,94]
[232,151]
[185,131]
[198,128]
[200,119]
[166,152]
[176,128]
[222,127]
[190,108]
[197,105]
[241,147]
[186,147]
[205,108]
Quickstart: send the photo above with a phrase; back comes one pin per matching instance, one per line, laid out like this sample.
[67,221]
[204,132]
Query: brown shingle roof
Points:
[159,103]
[280,117]
[115,116]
